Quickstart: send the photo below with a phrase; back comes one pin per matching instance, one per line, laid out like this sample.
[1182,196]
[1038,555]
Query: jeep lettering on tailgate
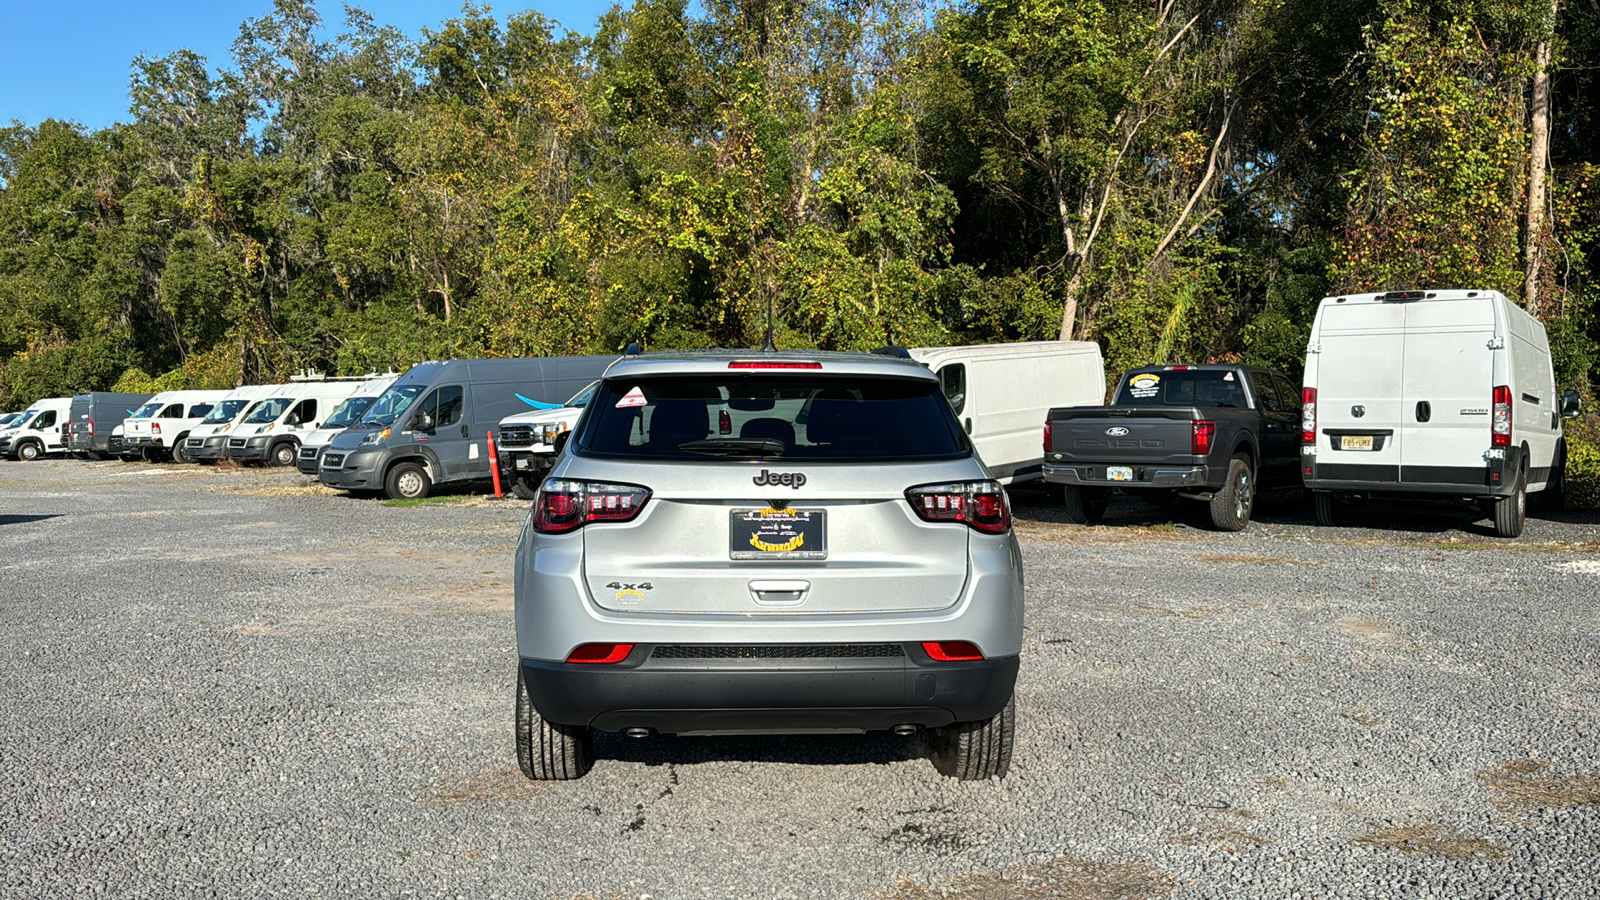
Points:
[775,479]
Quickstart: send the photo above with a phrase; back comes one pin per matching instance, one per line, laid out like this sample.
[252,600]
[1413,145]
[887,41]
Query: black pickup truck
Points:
[1204,432]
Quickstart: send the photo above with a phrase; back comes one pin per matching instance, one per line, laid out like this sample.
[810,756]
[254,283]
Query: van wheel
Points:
[407,481]
[29,450]
[1085,505]
[1329,511]
[1554,496]
[1512,510]
[547,751]
[975,751]
[179,455]
[1231,506]
[526,488]
[283,454]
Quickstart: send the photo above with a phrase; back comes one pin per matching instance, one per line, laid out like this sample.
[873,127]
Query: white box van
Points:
[38,431]
[165,421]
[343,416]
[1441,393]
[208,440]
[1001,394]
[272,432]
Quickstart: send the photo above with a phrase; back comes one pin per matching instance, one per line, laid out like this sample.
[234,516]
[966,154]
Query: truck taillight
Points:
[155,427]
[1049,442]
[564,506]
[1308,416]
[1201,436]
[980,504]
[1500,423]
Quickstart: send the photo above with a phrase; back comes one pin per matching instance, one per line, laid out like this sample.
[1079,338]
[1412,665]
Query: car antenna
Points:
[769,346]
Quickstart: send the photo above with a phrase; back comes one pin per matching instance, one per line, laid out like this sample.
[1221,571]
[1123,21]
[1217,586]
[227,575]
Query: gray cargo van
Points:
[431,426]
[93,415]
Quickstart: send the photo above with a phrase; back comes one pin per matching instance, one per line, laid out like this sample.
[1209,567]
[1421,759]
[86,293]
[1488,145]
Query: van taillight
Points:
[1201,436]
[1500,423]
[564,506]
[980,504]
[1308,416]
[1049,442]
[91,426]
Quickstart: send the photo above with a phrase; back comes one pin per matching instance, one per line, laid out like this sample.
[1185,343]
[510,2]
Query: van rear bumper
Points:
[769,695]
[1495,478]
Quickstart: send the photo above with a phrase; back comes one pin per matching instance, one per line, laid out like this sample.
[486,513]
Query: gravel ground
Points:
[236,684]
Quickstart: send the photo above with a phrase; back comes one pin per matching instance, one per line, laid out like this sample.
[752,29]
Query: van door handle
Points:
[464,431]
[968,423]
[1424,411]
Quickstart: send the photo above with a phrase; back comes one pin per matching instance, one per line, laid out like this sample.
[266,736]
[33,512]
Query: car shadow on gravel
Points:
[25,519]
[796,749]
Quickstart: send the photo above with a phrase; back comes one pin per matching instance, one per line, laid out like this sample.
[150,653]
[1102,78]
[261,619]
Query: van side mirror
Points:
[422,422]
[1571,404]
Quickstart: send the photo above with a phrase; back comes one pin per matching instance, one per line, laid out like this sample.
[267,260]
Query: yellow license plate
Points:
[1355,442]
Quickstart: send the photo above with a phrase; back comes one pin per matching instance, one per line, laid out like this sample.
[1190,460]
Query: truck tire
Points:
[28,450]
[524,487]
[1085,505]
[283,453]
[1328,509]
[547,751]
[976,751]
[407,481]
[1231,506]
[1511,511]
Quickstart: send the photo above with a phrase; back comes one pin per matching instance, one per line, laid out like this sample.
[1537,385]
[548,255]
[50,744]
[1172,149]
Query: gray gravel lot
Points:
[232,683]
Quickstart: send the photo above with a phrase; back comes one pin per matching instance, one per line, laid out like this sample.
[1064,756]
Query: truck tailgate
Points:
[1123,434]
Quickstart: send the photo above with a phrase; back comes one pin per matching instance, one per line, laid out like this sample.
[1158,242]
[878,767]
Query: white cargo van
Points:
[1440,393]
[1001,394]
[343,416]
[272,432]
[164,422]
[38,431]
[209,439]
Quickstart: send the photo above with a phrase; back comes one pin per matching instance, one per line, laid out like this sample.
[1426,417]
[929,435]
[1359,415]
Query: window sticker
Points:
[1144,386]
[634,397]
[1228,377]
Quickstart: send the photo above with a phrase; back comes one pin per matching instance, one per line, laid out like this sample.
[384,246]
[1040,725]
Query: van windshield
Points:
[348,412]
[760,417]
[27,417]
[392,404]
[223,412]
[1183,387]
[149,409]
[268,411]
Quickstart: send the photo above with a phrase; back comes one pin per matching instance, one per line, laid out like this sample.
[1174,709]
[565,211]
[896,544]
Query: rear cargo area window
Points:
[1183,388]
[758,417]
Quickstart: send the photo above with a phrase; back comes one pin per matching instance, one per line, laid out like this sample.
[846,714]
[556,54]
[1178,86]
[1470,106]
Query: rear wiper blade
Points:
[765,448]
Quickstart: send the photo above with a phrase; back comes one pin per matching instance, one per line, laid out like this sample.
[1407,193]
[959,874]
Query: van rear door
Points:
[1359,388]
[1447,389]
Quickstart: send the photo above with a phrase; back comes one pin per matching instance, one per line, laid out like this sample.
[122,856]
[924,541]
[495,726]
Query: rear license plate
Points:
[1355,442]
[1119,473]
[777,534]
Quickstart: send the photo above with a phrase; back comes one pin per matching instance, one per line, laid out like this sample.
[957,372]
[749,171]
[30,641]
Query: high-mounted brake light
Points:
[1308,415]
[1201,436]
[562,506]
[599,654]
[773,364]
[952,651]
[1180,368]
[980,504]
[1500,421]
[1049,441]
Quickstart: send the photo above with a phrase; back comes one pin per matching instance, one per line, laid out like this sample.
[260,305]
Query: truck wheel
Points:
[179,455]
[975,751]
[1329,511]
[282,454]
[547,751]
[1085,505]
[1231,506]
[1554,496]
[524,487]
[1512,510]
[28,450]
[407,481]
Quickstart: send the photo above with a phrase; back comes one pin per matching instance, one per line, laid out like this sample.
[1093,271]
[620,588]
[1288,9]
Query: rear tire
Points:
[975,751]
[1329,511]
[1511,511]
[1085,505]
[407,481]
[547,751]
[1231,506]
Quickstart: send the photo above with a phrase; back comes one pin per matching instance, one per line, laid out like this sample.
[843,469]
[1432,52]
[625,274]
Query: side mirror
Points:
[1571,404]
[560,443]
[422,422]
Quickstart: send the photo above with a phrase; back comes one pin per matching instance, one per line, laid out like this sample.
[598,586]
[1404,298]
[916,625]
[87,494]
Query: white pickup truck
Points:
[526,442]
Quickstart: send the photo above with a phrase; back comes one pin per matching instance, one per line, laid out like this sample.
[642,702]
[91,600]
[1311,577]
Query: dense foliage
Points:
[1177,179]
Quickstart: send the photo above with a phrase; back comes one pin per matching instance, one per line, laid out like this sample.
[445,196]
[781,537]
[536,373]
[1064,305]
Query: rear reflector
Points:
[774,364]
[951,651]
[599,654]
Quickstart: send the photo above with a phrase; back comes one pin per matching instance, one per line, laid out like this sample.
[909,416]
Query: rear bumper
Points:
[1144,476]
[1495,478]
[769,695]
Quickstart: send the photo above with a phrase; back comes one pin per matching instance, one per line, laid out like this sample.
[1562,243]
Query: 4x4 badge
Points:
[785,479]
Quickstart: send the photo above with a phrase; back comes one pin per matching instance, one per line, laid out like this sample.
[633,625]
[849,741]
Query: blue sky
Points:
[70,60]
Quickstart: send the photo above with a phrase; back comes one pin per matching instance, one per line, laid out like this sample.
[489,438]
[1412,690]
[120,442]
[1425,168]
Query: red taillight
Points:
[1180,368]
[1049,442]
[1201,436]
[951,651]
[564,506]
[1500,423]
[980,504]
[155,427]
[1308,415]
[599,654]
[774,364]
[724,423]
[91,426]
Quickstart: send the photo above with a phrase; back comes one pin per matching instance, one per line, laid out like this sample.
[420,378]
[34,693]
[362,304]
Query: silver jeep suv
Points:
[759,542]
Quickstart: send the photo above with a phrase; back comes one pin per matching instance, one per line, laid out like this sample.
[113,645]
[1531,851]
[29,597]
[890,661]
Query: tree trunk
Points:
[1538,153]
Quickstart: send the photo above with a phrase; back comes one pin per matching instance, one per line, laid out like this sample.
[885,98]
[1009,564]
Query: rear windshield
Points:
[1206,387]
[348,413]
[223,412]
[764,417]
